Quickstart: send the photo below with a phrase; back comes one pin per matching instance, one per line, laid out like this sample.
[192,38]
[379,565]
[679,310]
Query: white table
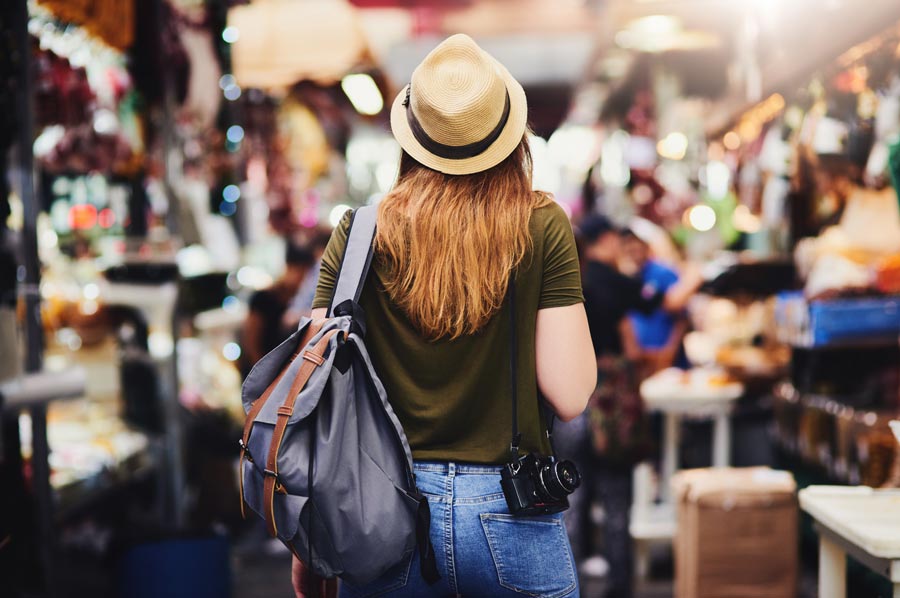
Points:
[856,521]
[676,395]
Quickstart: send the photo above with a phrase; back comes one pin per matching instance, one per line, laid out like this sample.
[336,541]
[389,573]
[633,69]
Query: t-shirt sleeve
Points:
[331,262]
[561,281]
[665,277]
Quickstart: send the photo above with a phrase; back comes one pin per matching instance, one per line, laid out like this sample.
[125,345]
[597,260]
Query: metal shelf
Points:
[33,390]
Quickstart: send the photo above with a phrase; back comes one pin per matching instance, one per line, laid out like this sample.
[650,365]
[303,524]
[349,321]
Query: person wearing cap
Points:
[301,304]
[460,232]
[614,423]
[610,294]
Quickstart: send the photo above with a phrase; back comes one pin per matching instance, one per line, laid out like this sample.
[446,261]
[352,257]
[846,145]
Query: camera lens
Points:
[559,479]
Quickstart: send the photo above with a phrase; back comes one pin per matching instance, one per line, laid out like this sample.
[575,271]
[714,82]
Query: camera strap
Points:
[513,373]
[514,381]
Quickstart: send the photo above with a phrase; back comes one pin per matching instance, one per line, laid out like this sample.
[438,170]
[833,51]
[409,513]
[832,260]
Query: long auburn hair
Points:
[449,242]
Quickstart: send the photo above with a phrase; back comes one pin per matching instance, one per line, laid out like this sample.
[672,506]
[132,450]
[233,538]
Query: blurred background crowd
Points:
[172,173]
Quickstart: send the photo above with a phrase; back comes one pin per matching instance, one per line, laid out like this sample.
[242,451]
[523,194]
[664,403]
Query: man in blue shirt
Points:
[658,331]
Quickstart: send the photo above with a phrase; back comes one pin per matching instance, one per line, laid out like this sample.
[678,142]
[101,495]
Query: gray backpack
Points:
[328,465]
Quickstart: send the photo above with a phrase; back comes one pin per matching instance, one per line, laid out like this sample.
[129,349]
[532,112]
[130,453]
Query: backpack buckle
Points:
[245,450]
[279,487]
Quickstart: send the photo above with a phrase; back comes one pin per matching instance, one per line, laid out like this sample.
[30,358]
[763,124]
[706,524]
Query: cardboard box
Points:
[737,533]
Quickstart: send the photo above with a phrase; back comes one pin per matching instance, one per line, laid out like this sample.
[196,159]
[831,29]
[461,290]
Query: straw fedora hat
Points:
[462,112]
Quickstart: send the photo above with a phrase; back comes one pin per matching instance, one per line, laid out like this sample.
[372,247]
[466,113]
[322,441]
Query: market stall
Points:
[817,166]
[190,158]
[775,167]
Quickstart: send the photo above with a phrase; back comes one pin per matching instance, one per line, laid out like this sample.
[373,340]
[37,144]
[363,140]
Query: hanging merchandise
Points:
[276,44]
[87,117]
[194,24]
[842,257]
[306,147]
[83,149]
[203,94]
[110,20]
[62,93]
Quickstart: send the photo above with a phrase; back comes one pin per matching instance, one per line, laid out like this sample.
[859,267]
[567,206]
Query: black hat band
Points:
[453,152]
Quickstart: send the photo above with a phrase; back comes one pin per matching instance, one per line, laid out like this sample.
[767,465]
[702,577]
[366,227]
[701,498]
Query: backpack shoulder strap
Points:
[357,258]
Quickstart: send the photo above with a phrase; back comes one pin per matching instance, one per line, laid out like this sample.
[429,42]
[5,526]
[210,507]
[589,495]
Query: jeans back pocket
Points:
[531,554]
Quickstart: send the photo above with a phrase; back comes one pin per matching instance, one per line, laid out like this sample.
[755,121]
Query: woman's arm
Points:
[566,365]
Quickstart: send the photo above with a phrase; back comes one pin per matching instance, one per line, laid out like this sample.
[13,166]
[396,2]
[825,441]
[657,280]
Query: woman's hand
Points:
[298,577]
[309,585]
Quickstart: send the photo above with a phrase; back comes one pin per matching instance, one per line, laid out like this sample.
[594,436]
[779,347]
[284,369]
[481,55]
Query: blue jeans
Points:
[481,549]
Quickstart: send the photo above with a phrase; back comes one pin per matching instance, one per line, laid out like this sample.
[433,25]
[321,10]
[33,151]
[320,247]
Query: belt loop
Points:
[448,480]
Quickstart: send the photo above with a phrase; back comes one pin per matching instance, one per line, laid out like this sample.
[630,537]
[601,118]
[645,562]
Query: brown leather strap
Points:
[311,330]
[311,360]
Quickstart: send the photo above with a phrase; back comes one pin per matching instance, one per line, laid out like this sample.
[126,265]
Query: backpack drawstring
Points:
[427,560]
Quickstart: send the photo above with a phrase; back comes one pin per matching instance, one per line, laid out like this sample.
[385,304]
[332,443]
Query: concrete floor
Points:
[266,573]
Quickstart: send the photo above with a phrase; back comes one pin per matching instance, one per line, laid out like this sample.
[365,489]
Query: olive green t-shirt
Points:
[453,396]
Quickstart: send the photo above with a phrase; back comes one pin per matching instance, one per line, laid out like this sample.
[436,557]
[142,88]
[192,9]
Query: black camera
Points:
[537,485]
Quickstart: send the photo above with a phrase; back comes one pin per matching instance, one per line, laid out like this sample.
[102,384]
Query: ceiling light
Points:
[656,25]
[702,218]
[718,179]
[235,134]
[673,146]
[226,81]
[232,93]
[613,168]
[231,351]
[231,34]
[337,212]
[363,93]
[732,140]
[661,33]
[231,193]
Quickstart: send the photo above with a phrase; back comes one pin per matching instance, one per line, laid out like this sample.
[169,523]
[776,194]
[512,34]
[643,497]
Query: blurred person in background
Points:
[301,304]
[659,333]
[612,433]
[264,328]
[836,179]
